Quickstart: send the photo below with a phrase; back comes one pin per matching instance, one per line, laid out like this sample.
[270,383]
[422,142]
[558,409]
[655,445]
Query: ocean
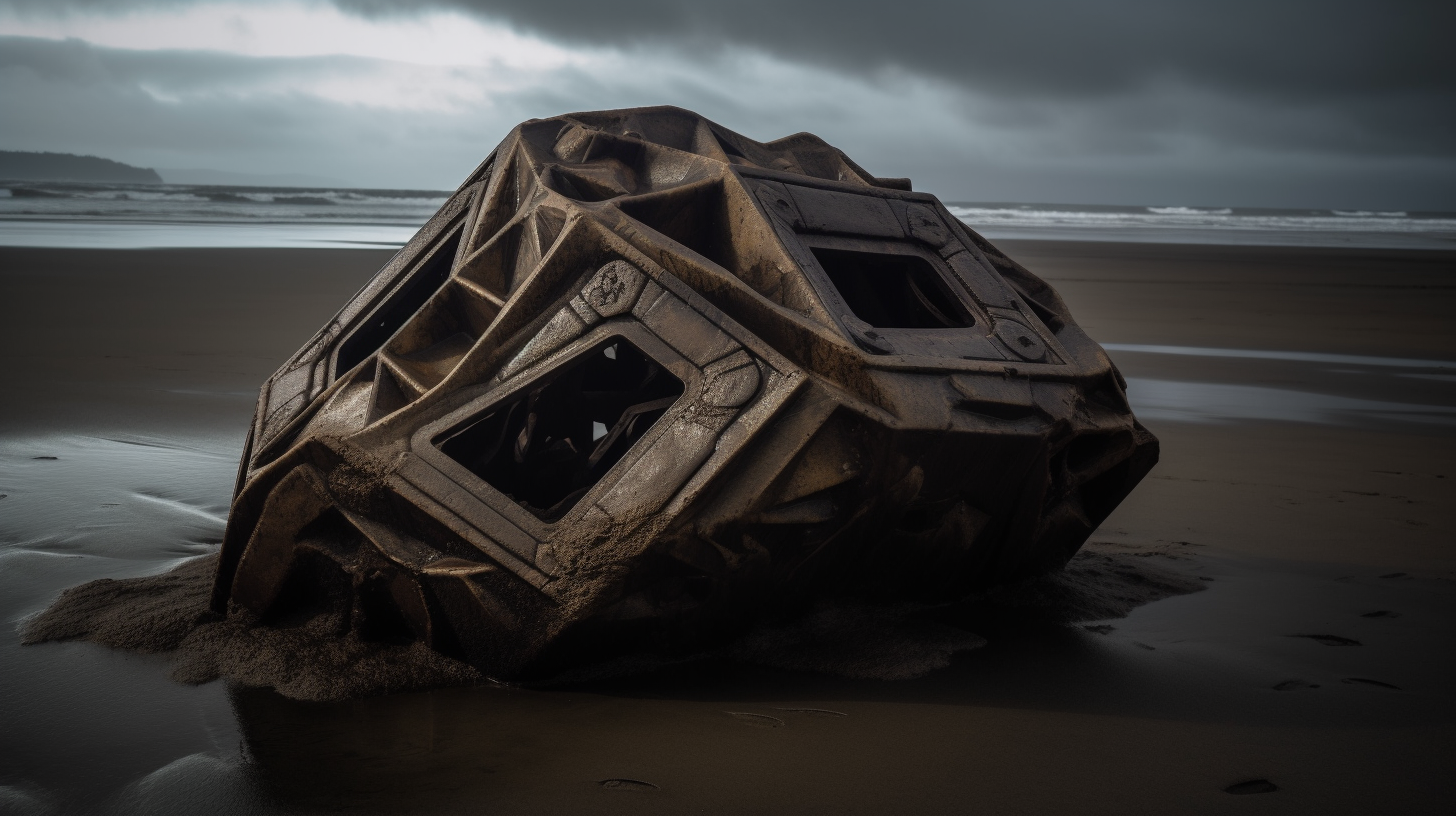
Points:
[119,216]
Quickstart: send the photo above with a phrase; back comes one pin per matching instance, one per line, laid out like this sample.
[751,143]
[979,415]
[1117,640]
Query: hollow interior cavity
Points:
[547,446]
[893,291]
[424,282]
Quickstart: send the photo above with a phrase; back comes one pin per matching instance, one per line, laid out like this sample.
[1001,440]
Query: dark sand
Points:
[319,660]
[1319,660]
[169,614]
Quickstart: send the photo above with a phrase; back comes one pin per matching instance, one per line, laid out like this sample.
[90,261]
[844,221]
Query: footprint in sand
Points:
[627,785]
[1367,681]
[1251,786]
[756,720]
[1331,640]
[1295,685]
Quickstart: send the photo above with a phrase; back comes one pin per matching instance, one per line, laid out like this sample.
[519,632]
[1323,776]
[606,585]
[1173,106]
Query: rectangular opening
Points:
[552,442]
[454,309]
[893,291]
[387,319]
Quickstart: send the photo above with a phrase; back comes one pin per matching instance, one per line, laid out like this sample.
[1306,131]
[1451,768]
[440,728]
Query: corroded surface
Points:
[642,377]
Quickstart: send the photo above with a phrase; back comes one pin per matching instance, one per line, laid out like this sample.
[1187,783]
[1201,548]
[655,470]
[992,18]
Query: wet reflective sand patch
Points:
[1176,401]
[1292,356]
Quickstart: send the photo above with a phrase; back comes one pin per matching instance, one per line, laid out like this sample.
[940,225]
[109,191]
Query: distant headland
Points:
[23,166]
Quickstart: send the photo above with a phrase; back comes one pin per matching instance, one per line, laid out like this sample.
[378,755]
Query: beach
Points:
[1305,400]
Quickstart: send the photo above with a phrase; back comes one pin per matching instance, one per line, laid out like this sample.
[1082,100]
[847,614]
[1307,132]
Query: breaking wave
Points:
[1211,225]
[175,203]
[127,215]
[1189,211]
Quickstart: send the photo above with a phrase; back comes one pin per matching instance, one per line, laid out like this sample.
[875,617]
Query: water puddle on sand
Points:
[1219,402]
[88,729]
[1351,390]
[133,498]
[1292,356]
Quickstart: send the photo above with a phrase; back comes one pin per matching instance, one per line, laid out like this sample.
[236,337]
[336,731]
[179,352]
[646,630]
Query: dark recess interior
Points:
[547,447]
[893,291]
[692,215]
[387,319]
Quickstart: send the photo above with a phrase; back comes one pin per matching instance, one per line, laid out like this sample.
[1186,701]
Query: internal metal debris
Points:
[641,379]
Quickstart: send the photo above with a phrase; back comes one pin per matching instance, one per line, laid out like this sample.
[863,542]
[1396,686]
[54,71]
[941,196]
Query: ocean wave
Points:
[1018,217]
[218,194]
[1189,211]
[255,207]
[214,204]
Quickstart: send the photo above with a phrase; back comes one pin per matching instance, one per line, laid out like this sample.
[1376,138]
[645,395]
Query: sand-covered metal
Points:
[642,378]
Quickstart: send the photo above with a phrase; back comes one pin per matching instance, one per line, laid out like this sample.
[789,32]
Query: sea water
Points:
[1246,226]
[119,216]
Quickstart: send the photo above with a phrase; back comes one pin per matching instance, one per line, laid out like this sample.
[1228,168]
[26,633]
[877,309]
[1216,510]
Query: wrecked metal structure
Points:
[642,377]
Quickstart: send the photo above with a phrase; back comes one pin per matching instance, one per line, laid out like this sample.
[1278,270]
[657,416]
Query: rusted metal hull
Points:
[641,378]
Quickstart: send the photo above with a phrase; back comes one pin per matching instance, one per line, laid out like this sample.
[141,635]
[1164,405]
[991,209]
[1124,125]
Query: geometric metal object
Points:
[641,378]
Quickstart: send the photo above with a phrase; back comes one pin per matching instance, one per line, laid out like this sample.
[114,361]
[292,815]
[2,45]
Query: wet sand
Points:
[1319,659]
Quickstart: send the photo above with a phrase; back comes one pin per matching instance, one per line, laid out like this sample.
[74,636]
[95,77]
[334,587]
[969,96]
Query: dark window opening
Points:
[387,319]
[893,291]
[549,445]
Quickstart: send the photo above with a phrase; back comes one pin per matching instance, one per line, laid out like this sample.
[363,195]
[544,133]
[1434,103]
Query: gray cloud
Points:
[1058,46]
[187,108]
[1382,73]
[1271,47]
[180,71]
[1386,68]
[1282,104]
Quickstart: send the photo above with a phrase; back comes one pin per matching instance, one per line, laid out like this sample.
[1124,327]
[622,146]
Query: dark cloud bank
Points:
[1387,69]
[1279,103]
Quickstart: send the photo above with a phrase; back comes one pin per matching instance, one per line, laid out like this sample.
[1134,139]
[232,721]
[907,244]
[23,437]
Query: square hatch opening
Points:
[407,300]
[893,291]
[549,444]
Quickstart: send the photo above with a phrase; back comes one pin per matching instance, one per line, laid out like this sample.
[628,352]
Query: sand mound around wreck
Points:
[319,660]
[169,613]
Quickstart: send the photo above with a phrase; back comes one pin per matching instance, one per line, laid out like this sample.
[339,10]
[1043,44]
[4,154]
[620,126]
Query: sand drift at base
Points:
[320,659]
[168,613]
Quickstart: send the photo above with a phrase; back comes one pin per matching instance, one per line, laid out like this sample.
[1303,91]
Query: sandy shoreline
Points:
[137,370]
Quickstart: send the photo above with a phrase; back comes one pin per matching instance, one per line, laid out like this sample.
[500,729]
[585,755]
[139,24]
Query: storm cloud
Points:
[1273,103]
[1384,74]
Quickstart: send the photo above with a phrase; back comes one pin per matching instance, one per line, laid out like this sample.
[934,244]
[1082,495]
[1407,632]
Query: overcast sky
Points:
[1319,104]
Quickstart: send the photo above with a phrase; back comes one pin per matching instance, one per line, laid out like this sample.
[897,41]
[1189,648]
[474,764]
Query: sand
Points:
[320,660]
[1315,673]
[169,613]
